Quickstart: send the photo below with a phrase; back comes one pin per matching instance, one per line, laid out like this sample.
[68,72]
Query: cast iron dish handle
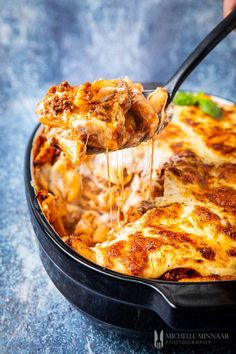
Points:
[200,305]
[200,52]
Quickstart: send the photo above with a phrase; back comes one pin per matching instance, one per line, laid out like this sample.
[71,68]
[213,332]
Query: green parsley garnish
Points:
[185,99]
[209,107]
[206,105]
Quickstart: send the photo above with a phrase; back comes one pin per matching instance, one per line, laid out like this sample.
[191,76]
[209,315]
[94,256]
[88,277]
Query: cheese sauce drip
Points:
[118,188]
[151,169]
[122,177]
[147,171]
[109,185]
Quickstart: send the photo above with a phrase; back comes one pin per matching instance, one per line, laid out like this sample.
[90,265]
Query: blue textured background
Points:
[45,42]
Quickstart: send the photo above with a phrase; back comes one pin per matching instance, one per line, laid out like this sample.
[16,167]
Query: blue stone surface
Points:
[42,43]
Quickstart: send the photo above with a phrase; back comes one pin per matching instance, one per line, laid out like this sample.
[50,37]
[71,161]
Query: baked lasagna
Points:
[164,209]
[105,115]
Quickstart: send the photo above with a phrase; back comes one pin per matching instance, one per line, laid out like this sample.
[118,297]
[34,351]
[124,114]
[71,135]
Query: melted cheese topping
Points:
[177,223]
[103,115]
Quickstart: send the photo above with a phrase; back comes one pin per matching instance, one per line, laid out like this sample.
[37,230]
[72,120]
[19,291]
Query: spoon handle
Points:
[200,52]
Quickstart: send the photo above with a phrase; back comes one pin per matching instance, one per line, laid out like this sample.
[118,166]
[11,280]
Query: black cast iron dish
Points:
[125,302]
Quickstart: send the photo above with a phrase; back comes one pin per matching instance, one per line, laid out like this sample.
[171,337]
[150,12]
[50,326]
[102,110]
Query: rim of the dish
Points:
[54,237]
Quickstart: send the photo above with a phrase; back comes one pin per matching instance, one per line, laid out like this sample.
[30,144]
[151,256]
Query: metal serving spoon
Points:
[199,53]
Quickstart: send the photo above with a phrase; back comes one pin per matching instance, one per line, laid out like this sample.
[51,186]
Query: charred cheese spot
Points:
[223,196]
[228,230]
[227,173]
[231,252]
[222,142]
[206,215]
[115,250]
[137,256]
[194,173]
[207,253]
[179,273]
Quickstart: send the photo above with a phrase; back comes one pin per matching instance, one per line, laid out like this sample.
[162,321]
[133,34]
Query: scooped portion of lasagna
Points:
[99,116]
[170,211]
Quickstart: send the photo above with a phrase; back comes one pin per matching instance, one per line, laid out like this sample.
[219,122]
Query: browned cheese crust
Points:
[185,230]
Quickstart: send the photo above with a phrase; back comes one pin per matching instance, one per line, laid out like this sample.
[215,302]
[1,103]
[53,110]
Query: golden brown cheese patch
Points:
[159,242]
[223,196]
[226,173]
[217,137]
[187,232]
